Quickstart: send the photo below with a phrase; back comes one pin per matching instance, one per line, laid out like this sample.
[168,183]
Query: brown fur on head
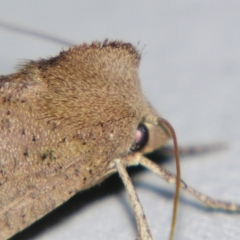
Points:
[63,121]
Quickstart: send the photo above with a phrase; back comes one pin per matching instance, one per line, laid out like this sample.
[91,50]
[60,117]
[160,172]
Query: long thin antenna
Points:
[38,34]
[178,175]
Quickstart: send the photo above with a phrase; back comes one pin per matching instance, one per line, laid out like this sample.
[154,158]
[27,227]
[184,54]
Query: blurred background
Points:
[190,72]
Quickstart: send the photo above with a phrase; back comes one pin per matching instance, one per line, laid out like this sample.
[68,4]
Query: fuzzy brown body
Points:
[63,121]
[67,123]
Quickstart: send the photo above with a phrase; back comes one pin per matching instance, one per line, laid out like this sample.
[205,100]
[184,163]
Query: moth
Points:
[70,121]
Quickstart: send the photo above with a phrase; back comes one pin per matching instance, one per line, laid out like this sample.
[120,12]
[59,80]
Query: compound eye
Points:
[141,137]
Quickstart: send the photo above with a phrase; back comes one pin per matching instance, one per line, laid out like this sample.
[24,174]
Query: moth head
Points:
[150,134]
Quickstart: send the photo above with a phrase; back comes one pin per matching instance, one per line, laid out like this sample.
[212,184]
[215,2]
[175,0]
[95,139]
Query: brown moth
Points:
[70,121]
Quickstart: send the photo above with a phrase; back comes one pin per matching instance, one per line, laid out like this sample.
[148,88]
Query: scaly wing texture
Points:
[63,120]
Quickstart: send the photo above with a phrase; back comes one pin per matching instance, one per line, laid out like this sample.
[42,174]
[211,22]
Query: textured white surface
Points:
[190,72]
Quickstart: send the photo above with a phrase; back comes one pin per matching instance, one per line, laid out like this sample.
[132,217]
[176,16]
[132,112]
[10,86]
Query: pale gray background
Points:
[190,71]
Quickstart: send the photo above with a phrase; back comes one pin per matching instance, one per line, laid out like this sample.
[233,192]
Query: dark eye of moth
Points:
[141,137]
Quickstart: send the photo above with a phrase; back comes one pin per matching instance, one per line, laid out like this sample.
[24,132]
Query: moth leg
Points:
[142,225]
[171,178]
[192,150]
